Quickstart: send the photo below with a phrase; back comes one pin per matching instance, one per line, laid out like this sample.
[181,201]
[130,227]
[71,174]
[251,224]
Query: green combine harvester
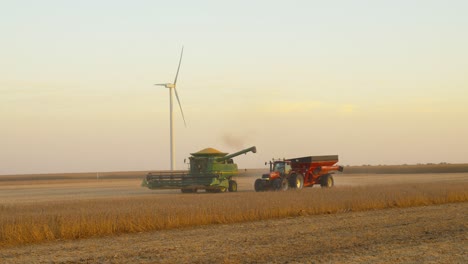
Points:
[210,170]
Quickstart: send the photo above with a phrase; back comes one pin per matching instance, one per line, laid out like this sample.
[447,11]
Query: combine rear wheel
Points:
[296,181]
[232,186]
[327,181]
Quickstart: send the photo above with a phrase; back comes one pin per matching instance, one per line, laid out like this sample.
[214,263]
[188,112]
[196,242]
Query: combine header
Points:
[210,169]
[298,173]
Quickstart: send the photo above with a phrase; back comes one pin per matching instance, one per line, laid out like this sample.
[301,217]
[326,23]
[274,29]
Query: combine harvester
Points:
[298,173]
[210,170]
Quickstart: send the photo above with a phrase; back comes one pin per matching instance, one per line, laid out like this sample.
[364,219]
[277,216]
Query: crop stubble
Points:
[69,220]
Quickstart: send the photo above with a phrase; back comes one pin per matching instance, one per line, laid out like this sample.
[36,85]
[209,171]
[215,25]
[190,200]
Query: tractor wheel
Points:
[284,184]
[296,181]
[276,184]
[280,184]
[258,185]
[327,181]
[232,186]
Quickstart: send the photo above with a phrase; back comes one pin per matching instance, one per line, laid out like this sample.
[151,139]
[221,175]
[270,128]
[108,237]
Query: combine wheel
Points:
[327,181]
[259,185]
[232,186]
[188,190]
[296,181]
[218,190]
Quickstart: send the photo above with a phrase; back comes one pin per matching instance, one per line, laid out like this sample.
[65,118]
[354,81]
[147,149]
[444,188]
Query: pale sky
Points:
[376,82]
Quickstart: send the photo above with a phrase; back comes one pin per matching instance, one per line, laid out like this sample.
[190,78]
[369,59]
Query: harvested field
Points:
[44,189]
[72,209]
[408,169]
[381,169]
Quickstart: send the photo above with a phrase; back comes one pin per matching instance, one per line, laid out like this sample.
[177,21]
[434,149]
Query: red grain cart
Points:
[298,173]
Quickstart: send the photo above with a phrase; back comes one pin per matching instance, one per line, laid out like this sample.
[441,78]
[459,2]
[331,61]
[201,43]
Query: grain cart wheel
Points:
[232,186]
[258,186]
[327,181]
[296,181]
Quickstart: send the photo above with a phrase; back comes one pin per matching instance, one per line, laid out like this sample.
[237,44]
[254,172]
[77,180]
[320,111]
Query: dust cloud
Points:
[234,141]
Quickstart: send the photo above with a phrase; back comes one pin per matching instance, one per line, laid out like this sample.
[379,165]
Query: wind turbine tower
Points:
[172,87]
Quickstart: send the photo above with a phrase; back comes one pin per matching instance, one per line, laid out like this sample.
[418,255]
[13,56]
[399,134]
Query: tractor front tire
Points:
[327,181]
[232,186]
[280,184]
[258,186]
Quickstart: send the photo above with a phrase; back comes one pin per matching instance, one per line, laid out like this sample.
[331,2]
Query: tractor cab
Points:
[283,167]
[278,169]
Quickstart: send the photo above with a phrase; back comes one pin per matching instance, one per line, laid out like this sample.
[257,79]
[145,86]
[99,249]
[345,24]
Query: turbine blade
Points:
[178,68]
[180,106]
[160,84]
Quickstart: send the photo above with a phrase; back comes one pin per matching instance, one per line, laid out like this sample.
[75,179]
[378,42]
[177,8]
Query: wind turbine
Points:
[172,86]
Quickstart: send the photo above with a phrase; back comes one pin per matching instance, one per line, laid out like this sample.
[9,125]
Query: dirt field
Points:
[435,234]
[26,191]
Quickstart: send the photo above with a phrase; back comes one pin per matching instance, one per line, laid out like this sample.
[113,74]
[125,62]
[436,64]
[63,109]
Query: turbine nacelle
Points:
[167,85]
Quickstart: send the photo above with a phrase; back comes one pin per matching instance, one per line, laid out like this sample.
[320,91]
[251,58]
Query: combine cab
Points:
[210,170]
[298,173]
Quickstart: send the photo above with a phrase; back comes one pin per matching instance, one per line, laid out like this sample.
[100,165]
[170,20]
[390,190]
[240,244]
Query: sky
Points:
[375,82]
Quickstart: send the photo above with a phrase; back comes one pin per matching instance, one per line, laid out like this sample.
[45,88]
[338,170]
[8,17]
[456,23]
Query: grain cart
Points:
[210,169]
[298,173]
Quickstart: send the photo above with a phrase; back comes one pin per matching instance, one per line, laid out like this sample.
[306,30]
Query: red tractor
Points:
[298,173]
